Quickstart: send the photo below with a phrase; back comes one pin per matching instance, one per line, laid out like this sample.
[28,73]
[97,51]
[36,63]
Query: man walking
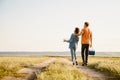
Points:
[86,41]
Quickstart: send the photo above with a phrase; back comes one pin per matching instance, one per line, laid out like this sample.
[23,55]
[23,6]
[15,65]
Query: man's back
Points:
[86,36]
[73,41]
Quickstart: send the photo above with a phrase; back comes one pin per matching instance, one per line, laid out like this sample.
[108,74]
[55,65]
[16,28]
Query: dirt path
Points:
[91,73]
[31,71]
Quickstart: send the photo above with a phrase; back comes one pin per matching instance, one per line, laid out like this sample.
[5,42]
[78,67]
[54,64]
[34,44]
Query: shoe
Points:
[73,63]
[76,63]
[83,64]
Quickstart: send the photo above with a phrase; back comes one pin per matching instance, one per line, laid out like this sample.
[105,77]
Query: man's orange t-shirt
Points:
[86,36]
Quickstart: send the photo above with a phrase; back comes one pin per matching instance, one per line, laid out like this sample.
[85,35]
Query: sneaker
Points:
[83,64]
[73,63]
[76,63]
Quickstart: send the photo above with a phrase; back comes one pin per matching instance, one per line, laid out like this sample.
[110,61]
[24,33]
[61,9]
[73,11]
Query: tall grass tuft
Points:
[109,65]
[61,71]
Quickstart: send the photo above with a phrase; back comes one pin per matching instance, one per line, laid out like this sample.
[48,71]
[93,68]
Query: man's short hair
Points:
[87,24]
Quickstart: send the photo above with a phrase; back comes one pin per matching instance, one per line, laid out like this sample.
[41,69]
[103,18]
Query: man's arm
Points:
[79,33]
[91,39]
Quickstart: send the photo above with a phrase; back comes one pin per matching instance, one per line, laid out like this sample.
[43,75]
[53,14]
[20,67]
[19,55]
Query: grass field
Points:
[60,70]
[107,65]
[10,65]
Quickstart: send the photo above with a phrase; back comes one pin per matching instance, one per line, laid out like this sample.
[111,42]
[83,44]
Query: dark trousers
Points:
[84,52]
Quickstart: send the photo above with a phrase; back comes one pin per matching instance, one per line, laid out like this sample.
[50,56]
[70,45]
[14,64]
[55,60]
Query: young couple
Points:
[86,42]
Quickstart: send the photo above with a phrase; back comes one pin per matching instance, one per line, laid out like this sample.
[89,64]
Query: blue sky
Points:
[41,25]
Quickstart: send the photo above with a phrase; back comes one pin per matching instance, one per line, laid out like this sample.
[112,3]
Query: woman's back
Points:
[73,41]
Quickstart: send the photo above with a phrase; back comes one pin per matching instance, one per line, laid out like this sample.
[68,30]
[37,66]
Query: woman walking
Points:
[73,42]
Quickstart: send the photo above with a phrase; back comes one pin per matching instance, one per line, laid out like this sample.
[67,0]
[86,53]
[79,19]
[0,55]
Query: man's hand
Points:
[90,45]
[77,34]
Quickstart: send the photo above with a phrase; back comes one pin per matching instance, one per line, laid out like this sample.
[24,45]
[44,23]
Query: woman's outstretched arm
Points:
[70,40]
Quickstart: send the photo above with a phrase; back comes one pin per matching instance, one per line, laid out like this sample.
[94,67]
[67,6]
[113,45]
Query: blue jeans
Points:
[73,53]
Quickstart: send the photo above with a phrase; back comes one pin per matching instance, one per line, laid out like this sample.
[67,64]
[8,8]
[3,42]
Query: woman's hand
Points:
[64,40]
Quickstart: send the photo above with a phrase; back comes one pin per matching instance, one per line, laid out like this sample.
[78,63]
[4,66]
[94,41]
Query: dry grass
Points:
[61,71]
[110,65]
[10,65]
[107,65]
